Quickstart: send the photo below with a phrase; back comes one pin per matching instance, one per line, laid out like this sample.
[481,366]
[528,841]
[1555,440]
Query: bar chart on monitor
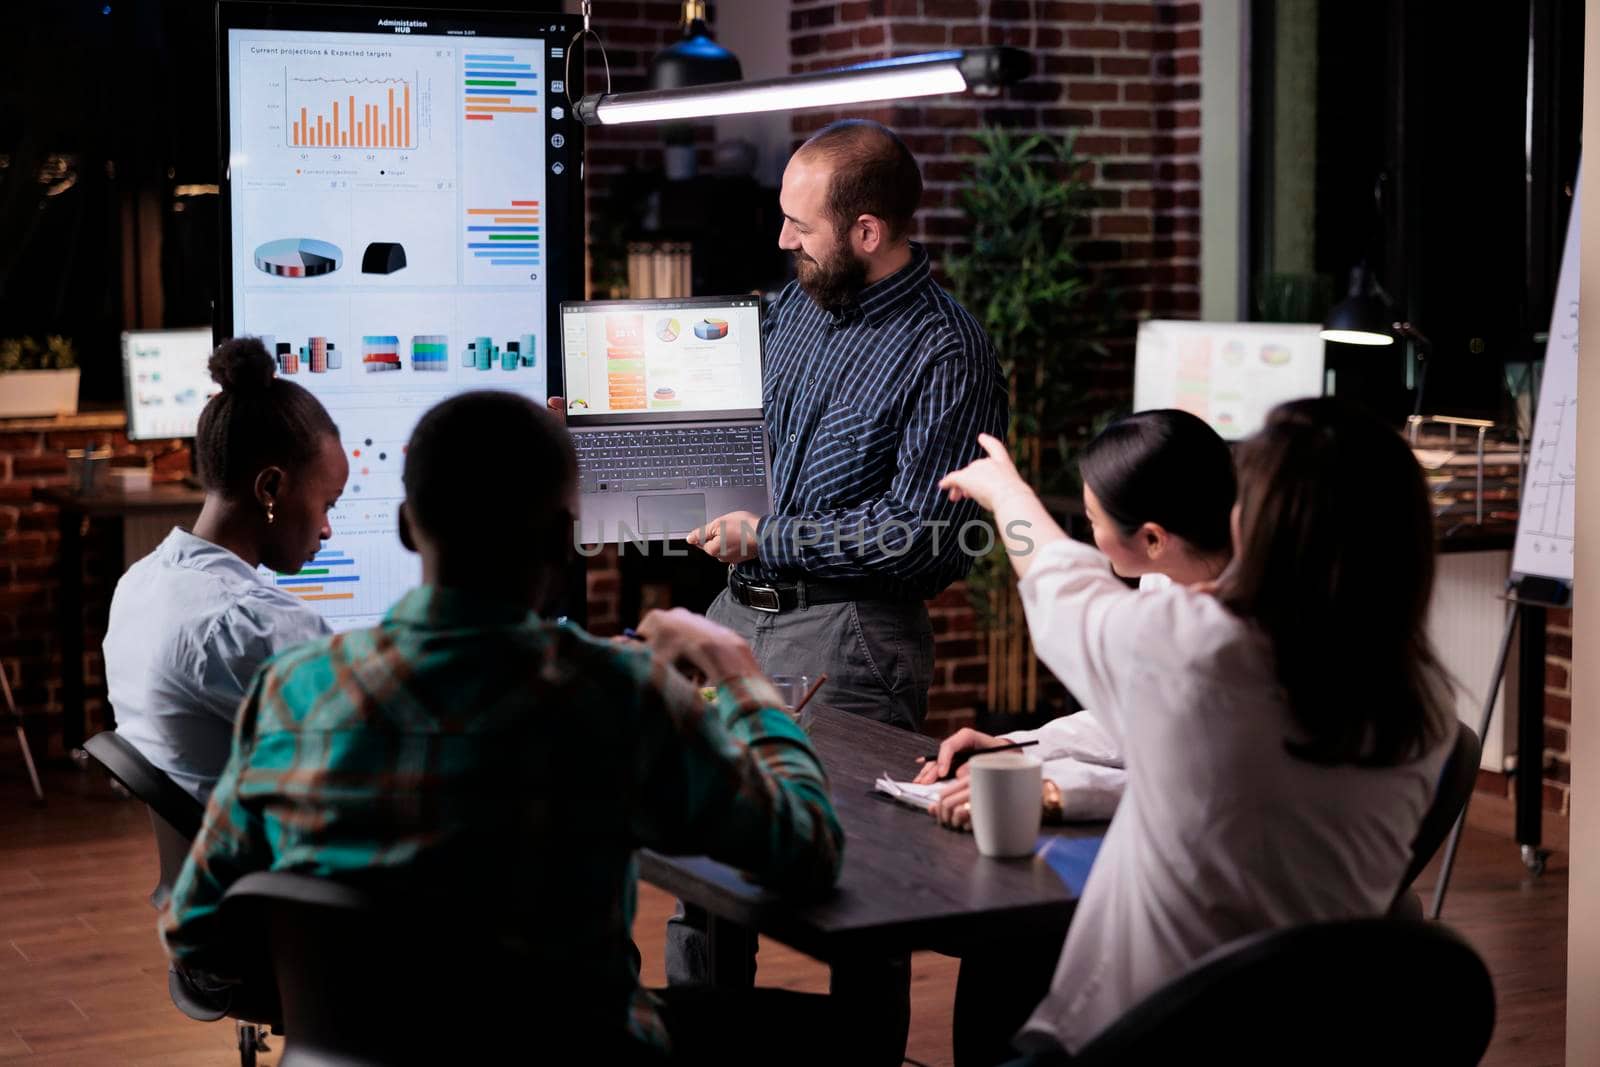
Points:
[376,112]
[503,148]
[368,113]
[360,572]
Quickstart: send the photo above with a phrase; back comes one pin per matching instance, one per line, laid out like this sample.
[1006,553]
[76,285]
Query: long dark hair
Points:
[258,420]
[1335,564]
[1167,467]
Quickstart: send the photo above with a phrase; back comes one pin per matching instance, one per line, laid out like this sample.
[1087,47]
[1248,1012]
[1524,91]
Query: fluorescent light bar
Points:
[931,74]
[1357,337]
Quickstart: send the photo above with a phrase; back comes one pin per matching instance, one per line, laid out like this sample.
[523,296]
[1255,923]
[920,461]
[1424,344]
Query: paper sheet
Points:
[910,794]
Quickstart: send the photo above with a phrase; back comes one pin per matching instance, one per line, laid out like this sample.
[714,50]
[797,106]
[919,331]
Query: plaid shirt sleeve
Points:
[231,844]
[735,780]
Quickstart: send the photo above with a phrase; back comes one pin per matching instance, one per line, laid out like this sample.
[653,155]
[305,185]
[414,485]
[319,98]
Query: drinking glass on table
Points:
[792,688]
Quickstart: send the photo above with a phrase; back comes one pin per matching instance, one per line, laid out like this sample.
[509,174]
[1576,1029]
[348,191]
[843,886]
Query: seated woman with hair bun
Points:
[192,621]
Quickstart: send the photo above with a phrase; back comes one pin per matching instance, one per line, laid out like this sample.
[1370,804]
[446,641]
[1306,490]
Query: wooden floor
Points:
[83,980]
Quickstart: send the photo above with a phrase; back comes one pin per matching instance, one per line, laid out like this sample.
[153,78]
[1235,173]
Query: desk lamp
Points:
[1367,317]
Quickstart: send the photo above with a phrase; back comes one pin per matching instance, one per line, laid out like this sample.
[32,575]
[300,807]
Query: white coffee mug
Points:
[1006,803]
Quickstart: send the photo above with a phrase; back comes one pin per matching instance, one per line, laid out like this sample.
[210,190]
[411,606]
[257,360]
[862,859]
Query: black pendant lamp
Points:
[696,59]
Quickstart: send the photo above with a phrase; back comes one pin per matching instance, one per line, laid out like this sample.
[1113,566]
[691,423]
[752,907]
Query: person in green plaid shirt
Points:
[468,745]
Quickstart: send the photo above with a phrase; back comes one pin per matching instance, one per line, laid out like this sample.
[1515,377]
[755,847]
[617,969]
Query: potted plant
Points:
[1027,207]
[38,378]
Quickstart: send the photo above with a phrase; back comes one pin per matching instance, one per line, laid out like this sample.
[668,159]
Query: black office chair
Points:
[1456,781]
[369,978]
[1359,991]
[175,817]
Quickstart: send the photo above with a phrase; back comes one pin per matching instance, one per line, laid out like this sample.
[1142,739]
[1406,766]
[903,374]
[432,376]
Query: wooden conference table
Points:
[908,883]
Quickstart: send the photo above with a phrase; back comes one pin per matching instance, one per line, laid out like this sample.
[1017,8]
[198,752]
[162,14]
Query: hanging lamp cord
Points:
[572,46]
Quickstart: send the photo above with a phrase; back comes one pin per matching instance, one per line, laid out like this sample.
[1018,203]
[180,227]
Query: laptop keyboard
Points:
[696,457]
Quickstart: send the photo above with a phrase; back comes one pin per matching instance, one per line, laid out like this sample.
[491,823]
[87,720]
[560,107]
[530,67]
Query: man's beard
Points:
[833,283]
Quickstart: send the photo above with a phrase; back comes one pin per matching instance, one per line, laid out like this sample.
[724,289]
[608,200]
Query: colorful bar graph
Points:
[489,82]
[313,581]
[508,236]
[341,125]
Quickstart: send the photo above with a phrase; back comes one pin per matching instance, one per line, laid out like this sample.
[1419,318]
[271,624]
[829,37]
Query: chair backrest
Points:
[174,815]
[368,979]
[1347,992]
[1456,782]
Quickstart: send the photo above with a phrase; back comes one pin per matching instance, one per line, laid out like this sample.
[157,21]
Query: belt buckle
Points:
[763,598]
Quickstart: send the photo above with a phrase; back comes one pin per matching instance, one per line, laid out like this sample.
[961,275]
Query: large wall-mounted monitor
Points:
[403,215]
[166,381]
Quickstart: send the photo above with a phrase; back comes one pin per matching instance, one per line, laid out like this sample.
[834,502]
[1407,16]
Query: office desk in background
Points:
[146,515]
[908,883]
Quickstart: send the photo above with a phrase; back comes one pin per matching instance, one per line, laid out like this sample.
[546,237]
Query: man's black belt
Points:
[778,597]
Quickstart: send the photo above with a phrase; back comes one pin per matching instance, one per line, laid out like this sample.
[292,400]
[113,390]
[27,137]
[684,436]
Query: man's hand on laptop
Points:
[715,651]
[731,538]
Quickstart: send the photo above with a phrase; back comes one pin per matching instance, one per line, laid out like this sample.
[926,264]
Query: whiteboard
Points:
[1544,526]
[1228,373]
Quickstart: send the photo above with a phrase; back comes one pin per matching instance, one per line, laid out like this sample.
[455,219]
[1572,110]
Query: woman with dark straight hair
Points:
[1157,488]
[1284,732]
[192,621]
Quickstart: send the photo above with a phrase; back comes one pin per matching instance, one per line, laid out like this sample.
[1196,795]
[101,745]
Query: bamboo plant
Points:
[1027,207]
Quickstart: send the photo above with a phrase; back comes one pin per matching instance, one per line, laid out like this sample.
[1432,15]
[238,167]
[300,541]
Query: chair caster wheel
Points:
[1534,859]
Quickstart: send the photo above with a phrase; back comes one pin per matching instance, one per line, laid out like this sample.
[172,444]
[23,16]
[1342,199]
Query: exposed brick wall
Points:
[1558,713]
[1125,78]
[633,33]
[605,594]
[1556,776]
[30,585]
[960,663]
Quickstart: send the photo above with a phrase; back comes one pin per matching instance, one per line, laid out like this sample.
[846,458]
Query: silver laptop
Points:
[664,405]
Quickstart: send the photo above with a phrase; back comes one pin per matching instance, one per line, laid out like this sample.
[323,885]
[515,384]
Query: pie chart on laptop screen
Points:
[298,257]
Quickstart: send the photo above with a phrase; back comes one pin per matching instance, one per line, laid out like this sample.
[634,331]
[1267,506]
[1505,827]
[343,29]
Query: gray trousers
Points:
[878,657]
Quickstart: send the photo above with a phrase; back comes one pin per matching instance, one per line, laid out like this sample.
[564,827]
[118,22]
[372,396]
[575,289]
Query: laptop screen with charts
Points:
[664,405]
[636,361]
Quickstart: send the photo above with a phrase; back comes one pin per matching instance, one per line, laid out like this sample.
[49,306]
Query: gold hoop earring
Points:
[269,513]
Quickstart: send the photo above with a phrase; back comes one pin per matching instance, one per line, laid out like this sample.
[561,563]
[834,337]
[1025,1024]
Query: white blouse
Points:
[190,623]
[1080,756]
[1221,832]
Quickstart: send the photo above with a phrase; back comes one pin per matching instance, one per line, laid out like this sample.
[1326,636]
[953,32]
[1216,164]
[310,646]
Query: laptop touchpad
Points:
[677,514]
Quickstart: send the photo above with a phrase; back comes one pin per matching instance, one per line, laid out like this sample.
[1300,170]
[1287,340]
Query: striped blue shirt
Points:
[867,408]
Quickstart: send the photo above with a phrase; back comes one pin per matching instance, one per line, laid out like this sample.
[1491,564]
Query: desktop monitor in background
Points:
[1228,373]
[403,215]
[166,381]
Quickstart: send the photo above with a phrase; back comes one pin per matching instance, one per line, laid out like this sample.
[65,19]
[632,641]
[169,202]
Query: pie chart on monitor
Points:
[667,329]
[298,257]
